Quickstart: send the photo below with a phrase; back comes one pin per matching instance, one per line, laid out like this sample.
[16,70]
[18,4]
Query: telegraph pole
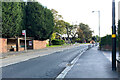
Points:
[113,37]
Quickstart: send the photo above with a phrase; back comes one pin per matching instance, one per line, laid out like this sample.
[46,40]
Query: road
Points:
[49,66]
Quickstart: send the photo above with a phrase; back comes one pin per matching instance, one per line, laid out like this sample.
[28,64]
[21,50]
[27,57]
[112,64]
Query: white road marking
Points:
[68,68]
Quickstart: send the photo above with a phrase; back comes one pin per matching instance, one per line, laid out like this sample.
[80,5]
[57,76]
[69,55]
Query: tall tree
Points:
[12,18]
[59,26]
[73,31]
[39,21]
[85,31]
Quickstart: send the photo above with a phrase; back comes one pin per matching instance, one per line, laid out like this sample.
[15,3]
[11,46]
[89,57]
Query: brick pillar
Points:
[18,44]
[3,45]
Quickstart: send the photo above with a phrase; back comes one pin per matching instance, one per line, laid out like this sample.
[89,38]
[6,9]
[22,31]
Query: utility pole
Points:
[119,26]
[113,37]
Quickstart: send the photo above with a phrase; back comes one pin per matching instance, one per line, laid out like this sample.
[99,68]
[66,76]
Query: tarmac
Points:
[16,57]
[47,49]
[93,65]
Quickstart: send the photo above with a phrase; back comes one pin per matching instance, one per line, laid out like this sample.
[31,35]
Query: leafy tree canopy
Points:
[84,32]
[39,21]
[12,18]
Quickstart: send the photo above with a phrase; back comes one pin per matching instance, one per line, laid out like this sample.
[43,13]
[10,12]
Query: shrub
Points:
[57,42]
[107,40]
[78,40]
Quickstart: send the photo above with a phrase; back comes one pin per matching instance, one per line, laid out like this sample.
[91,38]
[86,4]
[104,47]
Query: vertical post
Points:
[25,41]
[119,26]
[113,37]
[25,32]
[99,22]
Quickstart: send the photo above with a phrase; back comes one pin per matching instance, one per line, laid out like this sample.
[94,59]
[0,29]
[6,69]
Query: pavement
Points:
[108,54]
[93,65]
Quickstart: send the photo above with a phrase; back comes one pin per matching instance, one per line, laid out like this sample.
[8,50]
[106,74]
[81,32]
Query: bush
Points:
[57,42]
[78,40]
[107,40]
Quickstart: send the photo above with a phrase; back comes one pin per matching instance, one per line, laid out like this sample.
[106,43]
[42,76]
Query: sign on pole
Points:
[24,33]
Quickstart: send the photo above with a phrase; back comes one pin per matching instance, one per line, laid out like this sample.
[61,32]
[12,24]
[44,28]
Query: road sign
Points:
[23,32]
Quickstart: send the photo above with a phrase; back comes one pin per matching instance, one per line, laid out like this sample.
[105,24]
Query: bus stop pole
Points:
[25,42]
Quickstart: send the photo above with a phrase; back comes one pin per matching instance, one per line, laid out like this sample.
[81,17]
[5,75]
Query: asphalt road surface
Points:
[48,66]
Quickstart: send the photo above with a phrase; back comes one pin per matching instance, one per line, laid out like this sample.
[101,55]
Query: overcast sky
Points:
[77,11]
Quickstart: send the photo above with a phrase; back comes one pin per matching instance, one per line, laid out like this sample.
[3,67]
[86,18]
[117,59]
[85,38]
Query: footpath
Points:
[93,65]
[16,57]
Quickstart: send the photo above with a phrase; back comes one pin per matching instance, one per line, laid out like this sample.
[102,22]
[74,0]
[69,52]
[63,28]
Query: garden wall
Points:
[3,45]
[39,44]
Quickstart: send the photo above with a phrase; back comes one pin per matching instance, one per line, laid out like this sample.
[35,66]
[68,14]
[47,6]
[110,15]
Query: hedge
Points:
[107,40]
[57,42]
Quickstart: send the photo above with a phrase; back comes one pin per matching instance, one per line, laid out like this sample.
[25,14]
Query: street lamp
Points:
[98,20]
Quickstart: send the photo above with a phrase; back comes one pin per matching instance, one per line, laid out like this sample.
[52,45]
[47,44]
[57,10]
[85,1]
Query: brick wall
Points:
[3,45]
[39,44]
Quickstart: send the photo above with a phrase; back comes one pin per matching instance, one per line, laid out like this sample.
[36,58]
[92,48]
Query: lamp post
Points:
[113,37]
[98,21]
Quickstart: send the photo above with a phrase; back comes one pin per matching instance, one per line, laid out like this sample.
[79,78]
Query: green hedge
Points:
[57,42]
[107,40]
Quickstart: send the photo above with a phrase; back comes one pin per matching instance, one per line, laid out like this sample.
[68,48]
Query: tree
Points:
[84,32]
[96,38]
[59,26]
[73,32]
[39,21]
[80,34]
[12,18]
